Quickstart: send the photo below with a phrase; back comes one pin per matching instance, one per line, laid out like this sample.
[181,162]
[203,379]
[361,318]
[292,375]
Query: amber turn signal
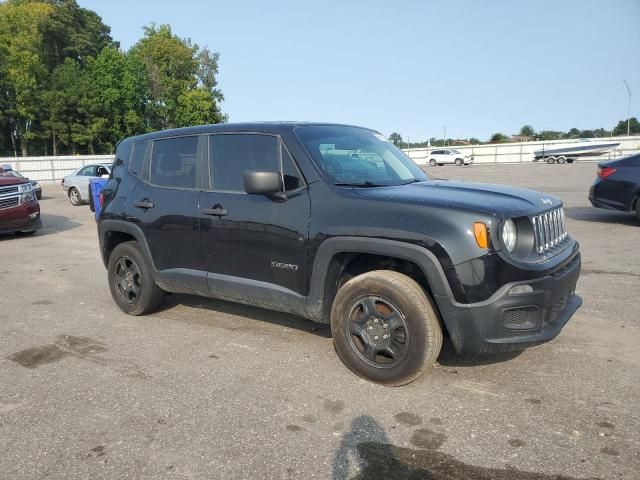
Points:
[481,234]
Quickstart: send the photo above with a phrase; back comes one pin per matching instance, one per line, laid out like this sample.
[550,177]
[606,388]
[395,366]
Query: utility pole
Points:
[444,136]
[628,108]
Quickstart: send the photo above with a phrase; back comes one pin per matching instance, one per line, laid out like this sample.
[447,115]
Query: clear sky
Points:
[476,67]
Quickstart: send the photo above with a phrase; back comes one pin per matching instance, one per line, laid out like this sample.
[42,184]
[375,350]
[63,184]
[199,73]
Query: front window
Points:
[358,157]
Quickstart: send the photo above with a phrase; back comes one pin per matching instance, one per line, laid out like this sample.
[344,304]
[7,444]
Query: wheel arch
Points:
[112,233]
[339,255]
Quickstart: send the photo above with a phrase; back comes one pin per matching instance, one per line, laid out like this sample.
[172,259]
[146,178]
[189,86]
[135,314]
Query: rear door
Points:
[165,206]
[253,244]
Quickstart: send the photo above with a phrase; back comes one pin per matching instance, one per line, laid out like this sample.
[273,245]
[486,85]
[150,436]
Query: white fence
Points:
[523,152]
[51,169]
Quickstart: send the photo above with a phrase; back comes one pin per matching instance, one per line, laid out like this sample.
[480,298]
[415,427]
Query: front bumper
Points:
[507,322]
[26,224]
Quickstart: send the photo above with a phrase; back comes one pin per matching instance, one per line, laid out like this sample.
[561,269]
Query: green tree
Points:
[23,71]
[498,138]
[549,135]
[396,139]
[527,131]
[621,128]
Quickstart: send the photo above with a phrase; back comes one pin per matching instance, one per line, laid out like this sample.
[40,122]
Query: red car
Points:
[19,208]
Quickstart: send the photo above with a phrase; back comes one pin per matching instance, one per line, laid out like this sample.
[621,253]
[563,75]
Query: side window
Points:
[87,171]
[137,159]
[292,177]
[173,162]
[100,170]
[232,154]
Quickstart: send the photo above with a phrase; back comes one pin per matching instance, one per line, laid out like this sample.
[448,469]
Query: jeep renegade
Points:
[334,223]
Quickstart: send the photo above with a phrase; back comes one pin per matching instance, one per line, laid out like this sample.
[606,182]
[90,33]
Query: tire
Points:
[25,233]
[432,162]
[74,196]
[638,209]
[551,160]
[459,162]
[138,293]
[396,300]
[562,159]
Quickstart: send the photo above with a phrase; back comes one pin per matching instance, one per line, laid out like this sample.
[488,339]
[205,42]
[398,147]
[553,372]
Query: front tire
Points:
[432,162]
[131,281]
[74,197]
[459,162]
[385,328]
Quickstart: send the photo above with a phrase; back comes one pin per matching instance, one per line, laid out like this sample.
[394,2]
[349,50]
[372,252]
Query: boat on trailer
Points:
[568,152]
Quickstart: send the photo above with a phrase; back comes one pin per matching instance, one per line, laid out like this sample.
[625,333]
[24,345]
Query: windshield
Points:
[358,157]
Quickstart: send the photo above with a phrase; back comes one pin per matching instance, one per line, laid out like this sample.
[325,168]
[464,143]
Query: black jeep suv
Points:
[335,224]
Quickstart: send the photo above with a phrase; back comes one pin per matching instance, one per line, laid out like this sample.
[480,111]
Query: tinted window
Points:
[232,155]
[137,159]
[87,171]
[101,170]
[173,162]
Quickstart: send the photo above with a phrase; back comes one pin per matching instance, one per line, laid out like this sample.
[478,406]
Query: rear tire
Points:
[131,281]
[459,162]
[432,162]
[551,160]
[74,197]
[562,159]
[385,328]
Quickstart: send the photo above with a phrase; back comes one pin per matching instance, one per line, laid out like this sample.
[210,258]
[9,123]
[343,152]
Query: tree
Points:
[498,138]
[396,139]
[549,135]
[23,71]
[621,128]
[527,131]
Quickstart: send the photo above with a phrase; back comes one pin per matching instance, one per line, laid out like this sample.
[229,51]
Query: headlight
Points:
[28,194]
[509,235]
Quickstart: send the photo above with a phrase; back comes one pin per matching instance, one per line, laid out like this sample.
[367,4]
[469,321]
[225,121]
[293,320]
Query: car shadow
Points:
[51,224]
[450,358]
[252,313]
[599,215]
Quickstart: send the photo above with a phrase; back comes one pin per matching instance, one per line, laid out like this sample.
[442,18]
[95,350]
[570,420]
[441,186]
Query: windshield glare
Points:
[358,157]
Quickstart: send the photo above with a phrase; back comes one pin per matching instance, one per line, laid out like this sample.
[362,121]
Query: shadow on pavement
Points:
[50,224]
[249,312]
[599,215]
[366,454]
[450,358]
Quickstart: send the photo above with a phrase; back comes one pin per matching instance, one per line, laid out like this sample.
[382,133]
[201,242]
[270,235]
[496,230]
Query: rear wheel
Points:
[131,282]
[432,162]
[551,160]
[638,209]
[385,327]
[562,159]
[459,162]
[74,196]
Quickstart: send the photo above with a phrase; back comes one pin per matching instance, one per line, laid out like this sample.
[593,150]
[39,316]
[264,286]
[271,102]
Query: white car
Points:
[76,185]
[447,155]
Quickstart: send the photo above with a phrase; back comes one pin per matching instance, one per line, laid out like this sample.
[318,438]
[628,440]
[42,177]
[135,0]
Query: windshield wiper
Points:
[414,180]
[366,183]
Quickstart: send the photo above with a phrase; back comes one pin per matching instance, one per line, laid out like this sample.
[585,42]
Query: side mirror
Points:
[261,182]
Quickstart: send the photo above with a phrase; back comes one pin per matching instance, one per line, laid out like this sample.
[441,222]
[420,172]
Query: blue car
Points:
[95,200]
[618,185]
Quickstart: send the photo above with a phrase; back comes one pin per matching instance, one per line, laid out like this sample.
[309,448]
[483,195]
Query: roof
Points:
[265,127]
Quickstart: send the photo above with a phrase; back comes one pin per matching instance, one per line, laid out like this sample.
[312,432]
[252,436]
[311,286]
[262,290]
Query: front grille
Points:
[8,190]
[549,229]
[8,202]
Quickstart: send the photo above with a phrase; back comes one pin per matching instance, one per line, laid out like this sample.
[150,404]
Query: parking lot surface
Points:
[212,390]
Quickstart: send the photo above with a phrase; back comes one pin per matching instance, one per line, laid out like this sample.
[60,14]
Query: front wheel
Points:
[432,162]
[131,282]
[74,196]
[459,162]
[385,327]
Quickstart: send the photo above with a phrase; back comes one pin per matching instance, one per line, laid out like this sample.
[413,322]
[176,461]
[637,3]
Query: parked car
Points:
[449,156]
[618,185]
[19,208]
[76,185]
[336,224]
[36,186]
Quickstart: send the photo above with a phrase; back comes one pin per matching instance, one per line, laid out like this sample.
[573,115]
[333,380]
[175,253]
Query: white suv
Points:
[441,157]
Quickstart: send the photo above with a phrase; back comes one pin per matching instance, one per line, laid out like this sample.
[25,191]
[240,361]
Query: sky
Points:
[413,67]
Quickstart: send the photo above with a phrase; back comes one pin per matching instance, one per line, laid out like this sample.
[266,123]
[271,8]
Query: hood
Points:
[6,180]
[497,200]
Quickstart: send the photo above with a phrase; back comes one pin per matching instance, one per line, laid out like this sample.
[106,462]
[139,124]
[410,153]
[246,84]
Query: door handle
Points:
[216,211]
[143,204]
